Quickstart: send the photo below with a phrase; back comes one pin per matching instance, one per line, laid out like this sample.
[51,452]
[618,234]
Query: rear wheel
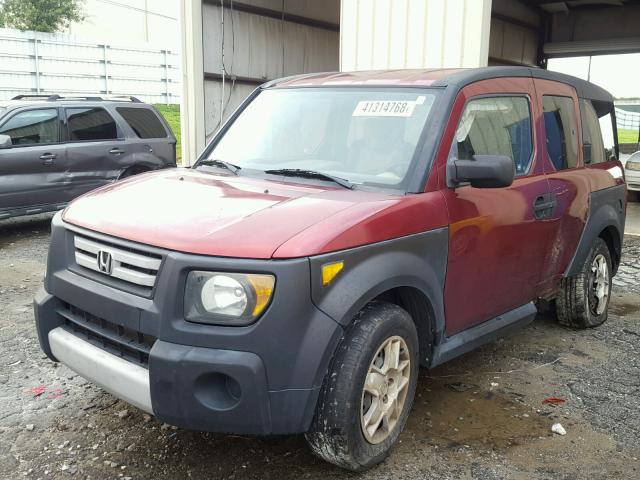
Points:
[583,300]
[369,389]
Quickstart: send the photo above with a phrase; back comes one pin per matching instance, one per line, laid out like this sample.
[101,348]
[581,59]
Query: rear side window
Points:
[496,126]
[90,124]
[560,128]
[143,122]
[608,138]
[592,144]
[32,127]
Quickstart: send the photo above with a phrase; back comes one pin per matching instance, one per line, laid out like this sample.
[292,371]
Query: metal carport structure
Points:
[231,46]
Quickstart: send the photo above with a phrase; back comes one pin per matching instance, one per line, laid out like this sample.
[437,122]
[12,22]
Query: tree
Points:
[40,15]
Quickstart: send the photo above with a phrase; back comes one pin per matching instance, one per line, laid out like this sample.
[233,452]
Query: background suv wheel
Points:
[369,389]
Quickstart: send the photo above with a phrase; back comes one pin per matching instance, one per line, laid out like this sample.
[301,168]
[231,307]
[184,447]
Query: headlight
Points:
[226,298]
[632,166]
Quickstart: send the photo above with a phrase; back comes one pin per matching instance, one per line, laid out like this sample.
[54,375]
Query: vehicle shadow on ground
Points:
[21,227]
[456,410]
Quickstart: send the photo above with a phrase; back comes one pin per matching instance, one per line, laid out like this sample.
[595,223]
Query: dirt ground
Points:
[481,416]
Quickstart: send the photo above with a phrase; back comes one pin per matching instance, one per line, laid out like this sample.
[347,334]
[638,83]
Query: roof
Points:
[456,77]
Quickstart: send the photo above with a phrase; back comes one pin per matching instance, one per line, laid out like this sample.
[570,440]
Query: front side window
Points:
[87,124]
[496,126]
[560,128]
[32,127]
[363,135]
[592,144]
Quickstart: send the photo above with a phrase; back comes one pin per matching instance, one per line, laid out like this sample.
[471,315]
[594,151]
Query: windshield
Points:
[365,136]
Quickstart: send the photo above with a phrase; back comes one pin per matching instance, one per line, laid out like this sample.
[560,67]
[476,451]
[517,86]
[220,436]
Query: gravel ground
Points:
[481,416]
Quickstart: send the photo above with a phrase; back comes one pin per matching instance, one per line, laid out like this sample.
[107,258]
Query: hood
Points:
[203,213]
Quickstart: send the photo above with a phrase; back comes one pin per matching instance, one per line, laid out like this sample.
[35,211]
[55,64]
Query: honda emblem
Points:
[105,262]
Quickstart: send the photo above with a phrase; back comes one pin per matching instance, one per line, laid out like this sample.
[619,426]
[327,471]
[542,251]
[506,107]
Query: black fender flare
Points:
[418,261]
[607,209]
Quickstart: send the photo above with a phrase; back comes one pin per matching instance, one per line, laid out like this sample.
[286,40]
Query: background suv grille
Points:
[124,342]
[131,266]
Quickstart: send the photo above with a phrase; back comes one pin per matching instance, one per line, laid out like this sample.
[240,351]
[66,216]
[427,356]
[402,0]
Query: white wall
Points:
[382,34]
[42,63]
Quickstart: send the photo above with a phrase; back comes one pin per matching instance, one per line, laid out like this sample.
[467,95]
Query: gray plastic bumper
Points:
[117,376]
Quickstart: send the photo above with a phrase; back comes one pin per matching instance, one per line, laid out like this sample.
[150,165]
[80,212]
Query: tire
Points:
[578,304]
[337,433]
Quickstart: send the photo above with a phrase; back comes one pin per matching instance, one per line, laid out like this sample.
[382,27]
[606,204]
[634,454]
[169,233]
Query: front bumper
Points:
[260,379]
[123,379]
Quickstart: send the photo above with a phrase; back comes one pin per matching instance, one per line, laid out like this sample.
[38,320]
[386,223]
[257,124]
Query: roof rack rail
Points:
[89,98]
[47,97]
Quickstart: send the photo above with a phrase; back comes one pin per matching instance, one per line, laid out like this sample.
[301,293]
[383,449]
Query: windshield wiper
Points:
[299,172]
[221,163]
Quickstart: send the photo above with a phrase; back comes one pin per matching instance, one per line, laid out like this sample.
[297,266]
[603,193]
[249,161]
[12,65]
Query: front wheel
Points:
[369,389]
[583,301]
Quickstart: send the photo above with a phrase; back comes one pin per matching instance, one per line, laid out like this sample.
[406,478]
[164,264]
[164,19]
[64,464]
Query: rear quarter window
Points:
[143,122]
[592,143]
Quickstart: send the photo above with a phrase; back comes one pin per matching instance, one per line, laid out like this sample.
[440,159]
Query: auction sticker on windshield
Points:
[385,108]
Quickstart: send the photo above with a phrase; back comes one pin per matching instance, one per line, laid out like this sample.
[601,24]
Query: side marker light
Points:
[330,270]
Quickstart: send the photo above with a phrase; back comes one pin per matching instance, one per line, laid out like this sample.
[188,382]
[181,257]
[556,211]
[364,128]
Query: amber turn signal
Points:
[330,270]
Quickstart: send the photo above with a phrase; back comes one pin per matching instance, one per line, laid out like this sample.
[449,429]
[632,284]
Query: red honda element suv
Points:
[338,232]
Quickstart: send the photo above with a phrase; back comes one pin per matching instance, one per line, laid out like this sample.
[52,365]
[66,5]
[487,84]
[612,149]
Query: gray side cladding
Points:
[607,208]
[418,261]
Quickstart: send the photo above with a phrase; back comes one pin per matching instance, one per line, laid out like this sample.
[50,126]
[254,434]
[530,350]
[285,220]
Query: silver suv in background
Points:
[632,175]
[53,148]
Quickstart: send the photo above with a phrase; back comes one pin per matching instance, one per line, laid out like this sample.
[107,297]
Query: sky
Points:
[619,74]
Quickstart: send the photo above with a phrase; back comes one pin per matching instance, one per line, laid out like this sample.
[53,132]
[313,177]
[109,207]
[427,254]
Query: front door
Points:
[33,169]
[497,236]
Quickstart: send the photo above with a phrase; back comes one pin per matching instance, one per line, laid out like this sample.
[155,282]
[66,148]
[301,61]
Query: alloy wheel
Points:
[385,389]
[599,284]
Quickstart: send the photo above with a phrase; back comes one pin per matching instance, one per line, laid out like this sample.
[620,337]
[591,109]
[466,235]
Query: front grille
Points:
[129,265]
[124,342]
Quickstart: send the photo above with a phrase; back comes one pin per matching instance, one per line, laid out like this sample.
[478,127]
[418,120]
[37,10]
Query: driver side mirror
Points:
[5,141]
[484,171]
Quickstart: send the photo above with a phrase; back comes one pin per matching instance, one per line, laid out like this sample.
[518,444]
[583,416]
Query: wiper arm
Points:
[299,172]
[221,163]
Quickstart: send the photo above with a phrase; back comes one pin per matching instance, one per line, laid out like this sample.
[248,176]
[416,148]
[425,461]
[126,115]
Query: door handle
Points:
[544,205]
[116,151]
[48,158]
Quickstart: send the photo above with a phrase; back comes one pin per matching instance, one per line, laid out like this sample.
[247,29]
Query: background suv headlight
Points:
[632,165]
[224,298]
